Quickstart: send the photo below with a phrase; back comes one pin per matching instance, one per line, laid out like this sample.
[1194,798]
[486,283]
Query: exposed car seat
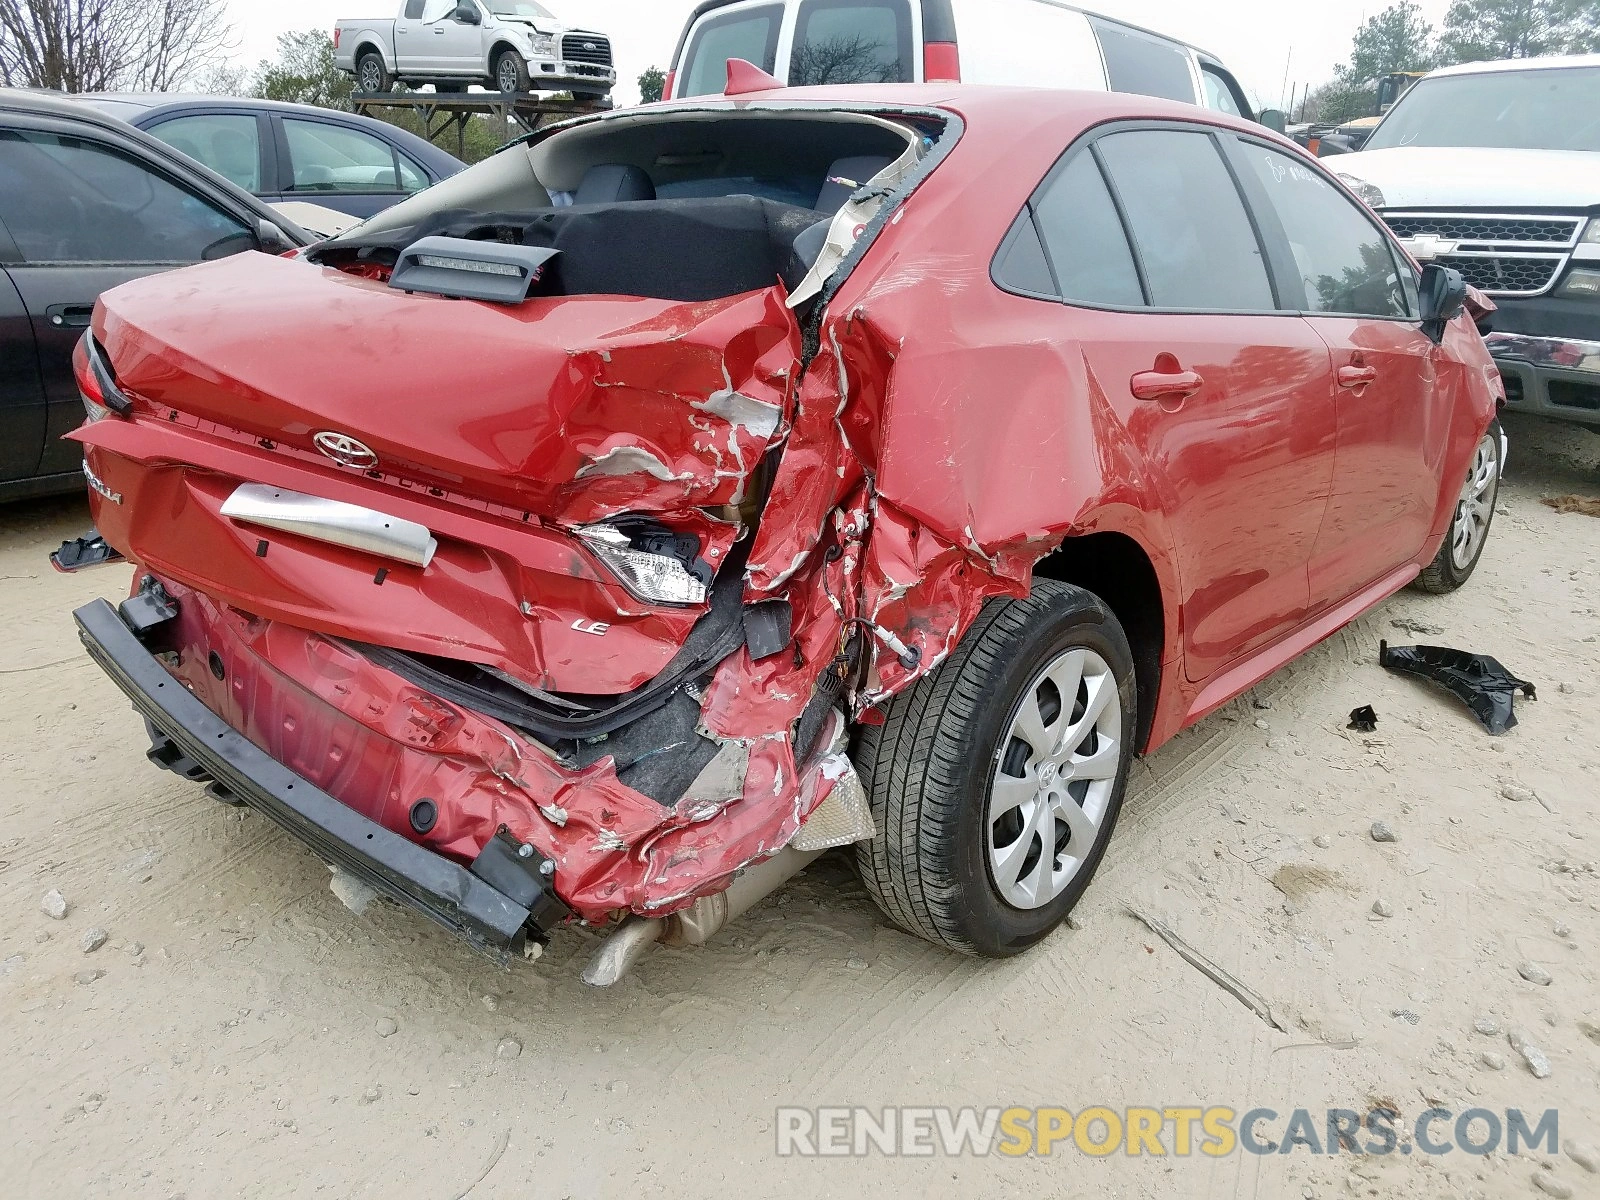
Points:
[857,171]
[609,183]
[683,250]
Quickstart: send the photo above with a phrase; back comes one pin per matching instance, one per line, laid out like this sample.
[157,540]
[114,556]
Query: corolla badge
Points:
[345,450]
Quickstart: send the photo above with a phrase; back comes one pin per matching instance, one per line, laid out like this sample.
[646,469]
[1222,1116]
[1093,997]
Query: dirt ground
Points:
[242,1034]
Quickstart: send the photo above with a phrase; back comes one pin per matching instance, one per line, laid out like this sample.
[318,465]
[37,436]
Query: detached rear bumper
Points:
[201,743]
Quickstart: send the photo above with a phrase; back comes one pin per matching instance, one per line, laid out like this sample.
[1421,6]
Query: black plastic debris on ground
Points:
[91,550]
[1478,681]
[1364,720]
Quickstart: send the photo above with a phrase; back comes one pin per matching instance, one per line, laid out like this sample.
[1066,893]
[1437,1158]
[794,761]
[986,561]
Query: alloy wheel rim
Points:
[1053,779]
[508,75]
[1476,505]
[369,76]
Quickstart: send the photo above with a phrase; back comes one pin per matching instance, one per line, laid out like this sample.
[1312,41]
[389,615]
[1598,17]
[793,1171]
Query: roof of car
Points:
[172,102]
[960,97]
[61,107]
[54,104]
[1551,63]
[710,6]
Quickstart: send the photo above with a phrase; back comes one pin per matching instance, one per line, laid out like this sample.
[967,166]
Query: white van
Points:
[1024,43]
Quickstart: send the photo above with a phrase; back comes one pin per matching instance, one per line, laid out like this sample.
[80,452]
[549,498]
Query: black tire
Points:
[509,67]
[929,768]
[372,75]
[1448,571]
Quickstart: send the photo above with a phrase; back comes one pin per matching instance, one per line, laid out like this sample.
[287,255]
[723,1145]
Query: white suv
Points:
[1022,43]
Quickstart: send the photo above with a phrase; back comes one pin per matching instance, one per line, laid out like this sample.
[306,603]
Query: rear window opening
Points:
[679,206]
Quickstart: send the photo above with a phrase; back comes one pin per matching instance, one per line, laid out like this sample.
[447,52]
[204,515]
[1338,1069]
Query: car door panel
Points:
[91,216]
[462,51]
[1232,413]
[1396,394]
[46,292]
[1245,462]
[22,407]
[1393,434]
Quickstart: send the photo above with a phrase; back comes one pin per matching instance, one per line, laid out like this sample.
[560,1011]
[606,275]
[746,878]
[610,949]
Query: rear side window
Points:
[1195,239]
[414,9]
[67,200]
[1144,65]
[750,34]
[1344,261]
[228,143]
[1085,239]
[852,41]
[331,158]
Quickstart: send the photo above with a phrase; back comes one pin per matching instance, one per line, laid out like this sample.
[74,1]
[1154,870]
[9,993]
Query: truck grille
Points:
[1503,276]
[1498,254]
[1558,231]
[586,48]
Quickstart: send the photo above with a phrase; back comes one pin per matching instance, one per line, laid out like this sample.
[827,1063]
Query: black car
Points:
[87,203]
[287,152]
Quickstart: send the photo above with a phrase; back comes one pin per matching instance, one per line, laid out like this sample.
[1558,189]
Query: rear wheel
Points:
[510,72]
[996,781]
[372,74]
[1469,528]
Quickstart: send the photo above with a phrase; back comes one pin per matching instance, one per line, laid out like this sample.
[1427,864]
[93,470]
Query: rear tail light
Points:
[654,578]
[336,32]
[99,393]
[672,79]
[941,62]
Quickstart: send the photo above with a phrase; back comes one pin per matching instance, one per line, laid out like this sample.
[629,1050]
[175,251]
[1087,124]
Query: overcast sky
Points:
[1258,39]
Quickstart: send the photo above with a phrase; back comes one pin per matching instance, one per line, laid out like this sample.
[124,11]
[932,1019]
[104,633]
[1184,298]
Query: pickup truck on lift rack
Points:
[507,45]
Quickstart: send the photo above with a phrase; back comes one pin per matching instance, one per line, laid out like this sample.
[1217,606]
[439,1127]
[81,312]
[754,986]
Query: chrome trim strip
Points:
[333,522]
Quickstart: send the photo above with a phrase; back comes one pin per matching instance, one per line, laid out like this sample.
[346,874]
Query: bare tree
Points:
[842,59]
[109,45]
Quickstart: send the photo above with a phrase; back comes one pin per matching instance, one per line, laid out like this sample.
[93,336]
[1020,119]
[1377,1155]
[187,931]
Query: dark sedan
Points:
[290,152]
[87,203]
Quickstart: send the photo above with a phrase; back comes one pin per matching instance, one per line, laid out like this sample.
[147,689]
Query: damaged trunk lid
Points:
[572,409]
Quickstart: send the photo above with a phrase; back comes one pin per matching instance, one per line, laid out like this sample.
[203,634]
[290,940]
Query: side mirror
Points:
[467,14]
[272,240]
[1273,119]
[1443,296]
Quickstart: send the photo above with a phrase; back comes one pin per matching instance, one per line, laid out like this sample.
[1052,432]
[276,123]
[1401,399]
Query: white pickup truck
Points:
[507,45]
[1494,169]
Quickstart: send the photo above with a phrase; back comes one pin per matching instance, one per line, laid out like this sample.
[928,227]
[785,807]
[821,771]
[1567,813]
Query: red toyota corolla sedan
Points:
[606,532]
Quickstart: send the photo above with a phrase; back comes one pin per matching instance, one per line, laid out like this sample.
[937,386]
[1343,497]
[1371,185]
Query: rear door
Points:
[1144,64]
[342,167]
[22,411]
[1227,399]
[1396,390]
[413,46]
[852,41]
[90,215]
[235,144]
[750,31]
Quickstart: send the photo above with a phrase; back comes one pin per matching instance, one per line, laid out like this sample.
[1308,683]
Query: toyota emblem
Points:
[345,450]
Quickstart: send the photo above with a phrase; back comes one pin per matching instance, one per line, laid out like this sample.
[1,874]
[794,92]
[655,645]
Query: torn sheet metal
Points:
[1478,681]
[340,721]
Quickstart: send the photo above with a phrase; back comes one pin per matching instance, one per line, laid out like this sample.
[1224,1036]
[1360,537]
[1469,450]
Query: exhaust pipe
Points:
[699,923]
[843,819]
